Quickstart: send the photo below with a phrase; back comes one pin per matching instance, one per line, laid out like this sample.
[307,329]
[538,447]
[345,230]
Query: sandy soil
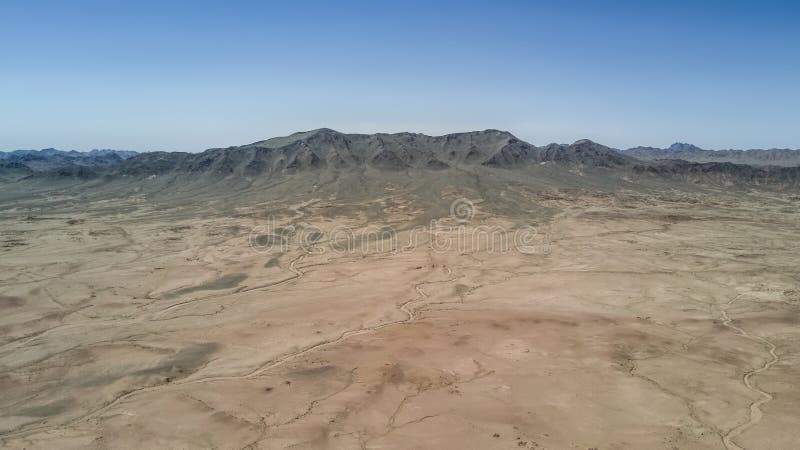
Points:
[644,322]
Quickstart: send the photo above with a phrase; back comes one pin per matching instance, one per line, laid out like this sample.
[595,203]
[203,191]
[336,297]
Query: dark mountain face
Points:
[723,173]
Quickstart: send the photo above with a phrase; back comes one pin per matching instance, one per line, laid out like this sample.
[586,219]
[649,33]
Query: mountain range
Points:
[326,150]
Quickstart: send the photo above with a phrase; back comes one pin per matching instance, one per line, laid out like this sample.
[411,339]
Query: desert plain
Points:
[636,320]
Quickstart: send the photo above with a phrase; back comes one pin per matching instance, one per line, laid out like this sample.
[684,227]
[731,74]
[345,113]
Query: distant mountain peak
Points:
[492,132]
[495,131]
[320,131]
[684,147]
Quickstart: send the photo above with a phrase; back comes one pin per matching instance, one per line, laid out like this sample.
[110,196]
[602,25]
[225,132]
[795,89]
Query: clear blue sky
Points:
[193,75]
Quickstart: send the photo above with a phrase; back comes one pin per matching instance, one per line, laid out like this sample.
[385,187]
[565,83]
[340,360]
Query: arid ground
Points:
[639,321]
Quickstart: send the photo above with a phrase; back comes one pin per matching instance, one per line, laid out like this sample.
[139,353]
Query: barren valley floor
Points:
[644,321]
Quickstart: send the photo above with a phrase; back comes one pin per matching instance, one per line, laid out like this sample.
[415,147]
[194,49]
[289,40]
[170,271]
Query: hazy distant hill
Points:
[689,152]
[50,158]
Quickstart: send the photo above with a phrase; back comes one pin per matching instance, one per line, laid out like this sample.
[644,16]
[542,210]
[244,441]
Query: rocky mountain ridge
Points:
[328,150]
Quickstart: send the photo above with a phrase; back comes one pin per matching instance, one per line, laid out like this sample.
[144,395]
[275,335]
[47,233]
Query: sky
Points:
[187,76]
